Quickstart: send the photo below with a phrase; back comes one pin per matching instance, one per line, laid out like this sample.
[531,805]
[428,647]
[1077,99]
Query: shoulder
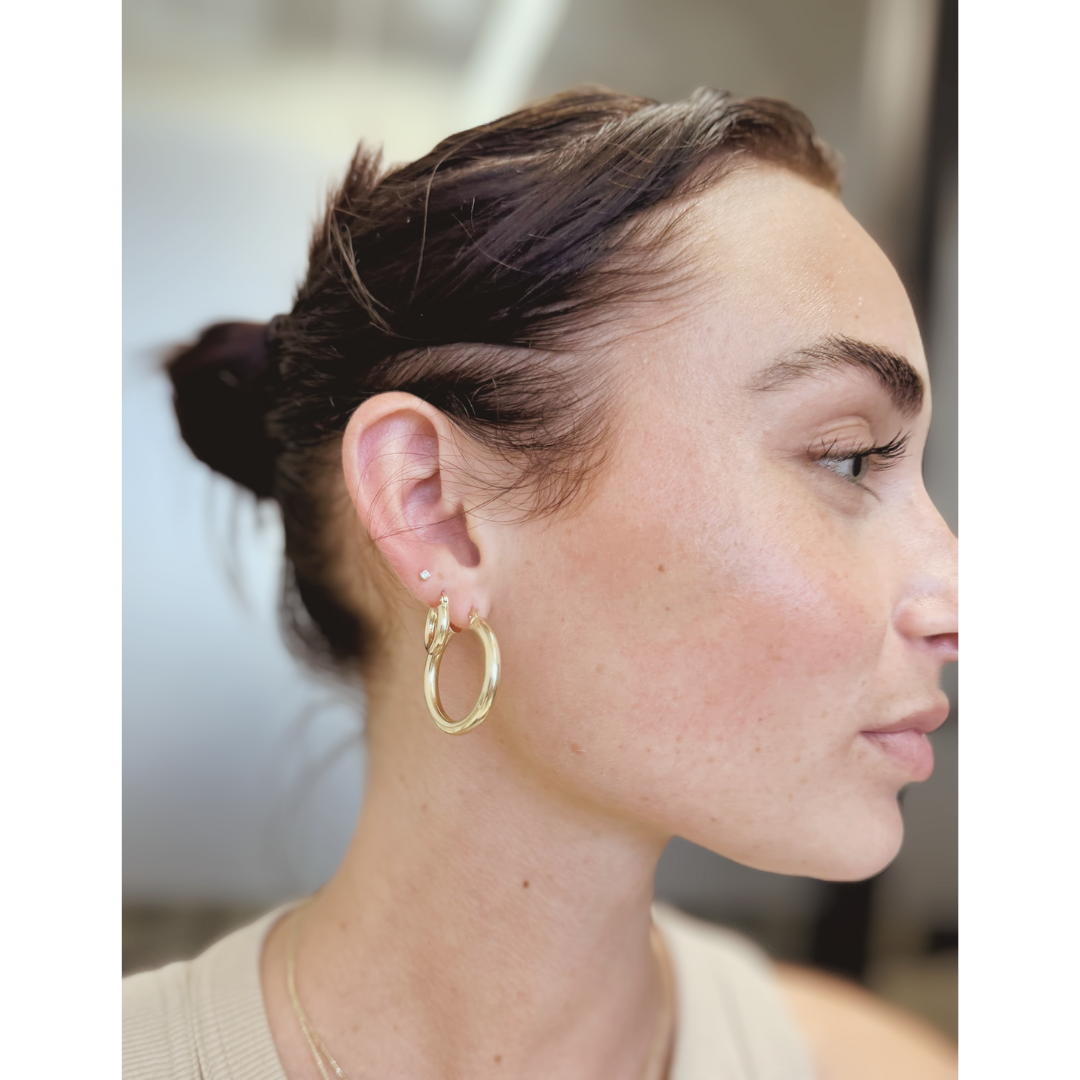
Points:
[202,1018]
[159,1037]
[793,1021]
[157,1024]
[853,1034]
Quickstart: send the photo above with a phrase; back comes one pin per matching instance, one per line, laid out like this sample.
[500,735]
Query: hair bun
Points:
[221,394]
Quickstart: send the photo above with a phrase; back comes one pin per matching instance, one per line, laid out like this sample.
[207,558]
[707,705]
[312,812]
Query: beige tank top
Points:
[204,1019]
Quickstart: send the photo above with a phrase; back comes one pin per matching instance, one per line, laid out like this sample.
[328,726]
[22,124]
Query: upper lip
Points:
[925,721]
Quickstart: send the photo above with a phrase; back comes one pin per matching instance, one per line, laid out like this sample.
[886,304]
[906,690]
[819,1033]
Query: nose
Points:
[927,613]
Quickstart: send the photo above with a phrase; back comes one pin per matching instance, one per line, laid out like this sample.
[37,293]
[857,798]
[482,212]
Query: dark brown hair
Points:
[468,278]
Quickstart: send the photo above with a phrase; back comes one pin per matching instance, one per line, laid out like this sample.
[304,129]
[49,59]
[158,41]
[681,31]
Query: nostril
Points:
[947,644]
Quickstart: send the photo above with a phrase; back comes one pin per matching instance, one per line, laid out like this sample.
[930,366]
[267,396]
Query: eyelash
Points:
[879,458]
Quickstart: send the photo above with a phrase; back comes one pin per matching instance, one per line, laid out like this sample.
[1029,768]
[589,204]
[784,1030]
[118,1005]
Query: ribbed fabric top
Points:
[204,1019]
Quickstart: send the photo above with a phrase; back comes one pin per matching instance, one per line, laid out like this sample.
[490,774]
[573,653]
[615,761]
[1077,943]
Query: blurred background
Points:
[243,773]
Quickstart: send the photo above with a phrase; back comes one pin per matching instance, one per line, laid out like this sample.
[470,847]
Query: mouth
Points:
[905,742]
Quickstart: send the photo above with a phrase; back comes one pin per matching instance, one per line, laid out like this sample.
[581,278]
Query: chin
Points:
[854,848]
[863,853]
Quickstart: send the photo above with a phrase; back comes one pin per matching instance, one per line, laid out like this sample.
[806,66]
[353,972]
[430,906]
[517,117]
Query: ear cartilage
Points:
[425,574]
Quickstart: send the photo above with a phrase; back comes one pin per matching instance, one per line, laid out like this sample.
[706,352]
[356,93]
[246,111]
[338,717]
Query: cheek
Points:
[788,613]
[767,652]
[748,587]
[697,647]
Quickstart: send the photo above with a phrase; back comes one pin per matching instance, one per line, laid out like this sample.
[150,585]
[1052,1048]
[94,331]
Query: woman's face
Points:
[708,647]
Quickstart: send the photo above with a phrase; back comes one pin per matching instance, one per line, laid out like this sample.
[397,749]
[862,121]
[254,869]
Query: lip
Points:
[924,721]
[905,743]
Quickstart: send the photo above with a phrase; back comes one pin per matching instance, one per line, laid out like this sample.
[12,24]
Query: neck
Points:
[479,924]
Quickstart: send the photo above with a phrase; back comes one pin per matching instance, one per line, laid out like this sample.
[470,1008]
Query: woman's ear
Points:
[402,462]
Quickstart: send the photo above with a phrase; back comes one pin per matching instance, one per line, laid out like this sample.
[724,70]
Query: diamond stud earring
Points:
[425,574]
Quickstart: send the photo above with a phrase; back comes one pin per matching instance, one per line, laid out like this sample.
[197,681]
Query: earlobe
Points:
[400,461]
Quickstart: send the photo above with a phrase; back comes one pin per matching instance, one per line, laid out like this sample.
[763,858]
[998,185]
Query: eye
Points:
[854,468]
[856,464]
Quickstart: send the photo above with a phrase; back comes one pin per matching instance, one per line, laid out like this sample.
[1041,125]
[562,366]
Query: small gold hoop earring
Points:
[437,635]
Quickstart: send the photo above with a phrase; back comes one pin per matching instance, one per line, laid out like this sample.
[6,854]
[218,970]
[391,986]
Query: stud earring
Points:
[437,635]
[425,574]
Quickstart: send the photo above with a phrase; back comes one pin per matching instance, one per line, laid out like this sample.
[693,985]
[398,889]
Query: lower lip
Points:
[910,749]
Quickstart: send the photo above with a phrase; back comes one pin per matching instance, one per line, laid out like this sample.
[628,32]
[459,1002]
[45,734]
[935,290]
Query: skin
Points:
[696,648]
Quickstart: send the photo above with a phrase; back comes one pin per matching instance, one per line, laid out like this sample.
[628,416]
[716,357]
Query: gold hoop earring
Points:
[437,635]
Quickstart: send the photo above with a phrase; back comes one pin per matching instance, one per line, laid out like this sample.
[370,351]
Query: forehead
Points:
[780,263]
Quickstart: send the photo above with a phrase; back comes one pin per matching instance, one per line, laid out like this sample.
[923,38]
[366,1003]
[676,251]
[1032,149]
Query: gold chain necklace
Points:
[655,1061]
[315,1044]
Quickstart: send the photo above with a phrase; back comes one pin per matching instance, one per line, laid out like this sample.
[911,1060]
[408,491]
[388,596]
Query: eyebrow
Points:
[893,372]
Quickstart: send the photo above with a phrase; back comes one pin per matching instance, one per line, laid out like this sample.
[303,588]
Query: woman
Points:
[623,388]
